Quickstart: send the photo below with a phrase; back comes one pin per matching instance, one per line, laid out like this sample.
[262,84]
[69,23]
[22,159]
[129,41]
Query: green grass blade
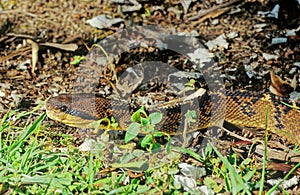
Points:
[237,182]
[271,191]
[189,152]
[20,140]
[262,181]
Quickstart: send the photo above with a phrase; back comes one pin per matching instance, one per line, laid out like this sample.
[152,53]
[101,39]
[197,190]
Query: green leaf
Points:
[155,118]
[77,60]
[155,147]
[249,175]
[158,134]
[132,131]
[52,180]
[113,120]
[209,182]
[142,189]
[126,158]
[136,116]
[148,129]
[192,113]
[191,83]
[168,146]
[136,164]
[190,152]
[191,116]
[147,140]
[114,125]
[144,121]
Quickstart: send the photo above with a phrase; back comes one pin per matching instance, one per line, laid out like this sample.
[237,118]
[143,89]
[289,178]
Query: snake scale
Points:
[241,108]
[237,107]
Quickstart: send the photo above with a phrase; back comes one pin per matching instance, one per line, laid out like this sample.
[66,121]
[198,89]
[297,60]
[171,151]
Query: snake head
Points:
[66,109]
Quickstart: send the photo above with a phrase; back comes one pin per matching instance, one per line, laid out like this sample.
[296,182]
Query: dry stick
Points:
[211,15]
[184,131]
[208,11]
[20,35]
[19,11]
[276,154]
[21,52]
[62,46]
[240,137]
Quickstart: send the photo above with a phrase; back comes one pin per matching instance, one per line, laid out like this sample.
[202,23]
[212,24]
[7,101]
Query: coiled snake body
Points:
[238,107]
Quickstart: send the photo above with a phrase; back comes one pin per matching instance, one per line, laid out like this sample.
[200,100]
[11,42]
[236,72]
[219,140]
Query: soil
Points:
[65,22]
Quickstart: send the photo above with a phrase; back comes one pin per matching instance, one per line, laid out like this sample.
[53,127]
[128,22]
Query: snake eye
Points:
[63,108]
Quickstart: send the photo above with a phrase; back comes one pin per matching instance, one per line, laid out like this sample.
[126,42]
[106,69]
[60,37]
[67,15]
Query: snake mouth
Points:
[69,117]
[77,121]
[70,120]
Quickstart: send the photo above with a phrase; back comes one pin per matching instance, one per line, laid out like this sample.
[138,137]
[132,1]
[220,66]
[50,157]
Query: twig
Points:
[239,137]
[19,11]
[208,11]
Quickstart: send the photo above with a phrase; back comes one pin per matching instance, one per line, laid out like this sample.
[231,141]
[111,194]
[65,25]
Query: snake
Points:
[242,108]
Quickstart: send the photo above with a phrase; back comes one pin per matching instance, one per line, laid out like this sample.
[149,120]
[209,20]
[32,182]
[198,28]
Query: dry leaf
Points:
[103,21]
[280,87]
[34,52]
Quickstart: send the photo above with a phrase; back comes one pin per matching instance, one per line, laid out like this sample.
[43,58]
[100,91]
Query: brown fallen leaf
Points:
[282,167]
[280,87]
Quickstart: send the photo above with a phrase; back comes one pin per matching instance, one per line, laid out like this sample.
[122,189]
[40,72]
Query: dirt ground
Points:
[243,64]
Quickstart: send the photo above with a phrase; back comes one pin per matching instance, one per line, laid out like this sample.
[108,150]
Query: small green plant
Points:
[147,12]
[142,123]
[189,86]
[111,123]
[77,60]
[234,182]
[191,83]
